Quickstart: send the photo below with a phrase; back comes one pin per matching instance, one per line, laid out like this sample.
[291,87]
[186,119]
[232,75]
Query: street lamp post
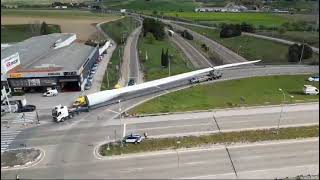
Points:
[238,49]
[283,101]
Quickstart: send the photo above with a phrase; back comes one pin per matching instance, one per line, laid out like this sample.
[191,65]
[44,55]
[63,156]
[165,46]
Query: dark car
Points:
[131,82]
[133,138]
[27,108]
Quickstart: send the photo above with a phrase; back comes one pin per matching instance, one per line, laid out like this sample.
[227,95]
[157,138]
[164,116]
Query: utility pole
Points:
[302,52]
[283,100]
[169,58]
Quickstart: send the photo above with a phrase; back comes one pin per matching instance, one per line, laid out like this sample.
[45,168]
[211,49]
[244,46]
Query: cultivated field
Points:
[81,23]
[38,2]
[266,19]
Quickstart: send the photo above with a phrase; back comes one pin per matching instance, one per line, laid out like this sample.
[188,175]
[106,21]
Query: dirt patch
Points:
[19,157]
[83,27]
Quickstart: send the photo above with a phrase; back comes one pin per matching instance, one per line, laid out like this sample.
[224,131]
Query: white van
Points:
[51,92]
[311,90]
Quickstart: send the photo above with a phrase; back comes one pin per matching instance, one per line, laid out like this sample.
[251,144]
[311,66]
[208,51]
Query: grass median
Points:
[252,48]
[197,141]
[152,66]
[234,93]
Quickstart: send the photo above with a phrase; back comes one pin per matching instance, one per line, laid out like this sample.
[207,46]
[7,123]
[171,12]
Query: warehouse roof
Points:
[41,52]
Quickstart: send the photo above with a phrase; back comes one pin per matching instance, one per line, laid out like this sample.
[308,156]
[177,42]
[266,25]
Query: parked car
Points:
[93,71]
[90,78]
[313,78]
[94,68]
[51,92]
[95,65]
[27,108]
[310,90]
[131,82]
[133,138]
[88,85]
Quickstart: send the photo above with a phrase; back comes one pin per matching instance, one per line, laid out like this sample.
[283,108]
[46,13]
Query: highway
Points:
[130,68]
[197,59]
[69,146]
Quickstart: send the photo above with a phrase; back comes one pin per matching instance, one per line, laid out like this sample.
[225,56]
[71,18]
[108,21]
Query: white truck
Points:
[107,97]
[61,113]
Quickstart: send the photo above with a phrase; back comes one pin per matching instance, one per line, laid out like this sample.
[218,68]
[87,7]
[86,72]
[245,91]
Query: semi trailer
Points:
[107,97]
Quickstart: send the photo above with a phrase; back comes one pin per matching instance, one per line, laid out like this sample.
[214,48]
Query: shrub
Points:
[295,52]
[150,38]
[230,30]
[245,27]
[187,35]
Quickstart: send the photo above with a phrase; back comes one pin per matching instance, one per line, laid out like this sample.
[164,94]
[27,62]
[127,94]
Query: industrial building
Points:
[54,60]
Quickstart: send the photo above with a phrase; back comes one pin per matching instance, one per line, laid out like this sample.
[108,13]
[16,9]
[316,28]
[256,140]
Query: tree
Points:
[297,52]
[281,30]
[230,30]
[150,38]
[44,30]
[155,12]
[245,27]
[154,27]
[166,59]
[162,59]
[187,35]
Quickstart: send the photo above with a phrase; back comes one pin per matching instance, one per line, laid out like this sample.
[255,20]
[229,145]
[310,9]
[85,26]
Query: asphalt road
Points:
[130,68]
[195,57]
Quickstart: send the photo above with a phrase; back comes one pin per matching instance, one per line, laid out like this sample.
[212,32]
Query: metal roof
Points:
[38,52]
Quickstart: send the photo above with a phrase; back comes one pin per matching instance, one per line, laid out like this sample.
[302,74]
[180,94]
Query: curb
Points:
[222,109]
[201,148]
[27,164]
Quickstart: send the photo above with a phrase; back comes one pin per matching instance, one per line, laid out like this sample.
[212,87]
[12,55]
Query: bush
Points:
[245,27]
[295,52]
[282,30]
[205,47]
[154,27]
[230,30]
[150,38]
[18,93]
[187,35]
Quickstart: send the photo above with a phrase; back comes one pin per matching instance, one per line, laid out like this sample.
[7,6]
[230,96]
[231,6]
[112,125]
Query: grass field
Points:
[38,2]
[265,19]
[17,33]
[159,5]
[115,29]
[312,38]
[253,48]
[211,139]
[80,22]
[255,91]
[152,67]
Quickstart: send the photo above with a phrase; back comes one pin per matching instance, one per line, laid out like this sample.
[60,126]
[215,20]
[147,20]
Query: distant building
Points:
[233,8]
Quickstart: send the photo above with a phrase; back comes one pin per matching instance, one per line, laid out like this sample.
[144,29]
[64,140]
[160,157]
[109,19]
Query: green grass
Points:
[112,71]
[255,91]
[197,141]
[36,2]
[17,33]
[266,19]
[159,5]
[253,48]
[115,29]
[312,38]
[53,13]
[152,67]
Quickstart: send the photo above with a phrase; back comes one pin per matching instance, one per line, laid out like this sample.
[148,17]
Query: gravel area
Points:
[19,157]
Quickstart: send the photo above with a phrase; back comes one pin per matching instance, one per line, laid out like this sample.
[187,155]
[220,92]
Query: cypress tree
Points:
[162,58]
[167,58]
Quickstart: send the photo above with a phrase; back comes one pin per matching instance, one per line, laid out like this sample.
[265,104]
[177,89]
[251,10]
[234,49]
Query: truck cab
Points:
[60,113]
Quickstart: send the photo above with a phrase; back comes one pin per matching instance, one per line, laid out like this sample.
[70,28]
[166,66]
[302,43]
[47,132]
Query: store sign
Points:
[15,75]
[73,73]
[10,62]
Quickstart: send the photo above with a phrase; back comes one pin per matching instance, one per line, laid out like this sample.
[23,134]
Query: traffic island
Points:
[161,144]
[20,158]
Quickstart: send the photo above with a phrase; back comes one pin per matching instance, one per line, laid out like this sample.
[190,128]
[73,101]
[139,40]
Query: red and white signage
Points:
[9,63]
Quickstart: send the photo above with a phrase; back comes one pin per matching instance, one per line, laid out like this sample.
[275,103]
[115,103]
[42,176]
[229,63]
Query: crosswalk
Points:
[7,137]
[28,117]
